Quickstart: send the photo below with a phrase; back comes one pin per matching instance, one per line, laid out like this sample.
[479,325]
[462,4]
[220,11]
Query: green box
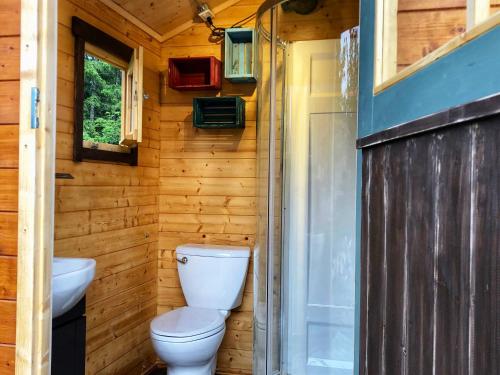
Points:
[219,112]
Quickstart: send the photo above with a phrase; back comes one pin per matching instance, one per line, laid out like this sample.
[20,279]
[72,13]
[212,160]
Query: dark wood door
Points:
[431,247]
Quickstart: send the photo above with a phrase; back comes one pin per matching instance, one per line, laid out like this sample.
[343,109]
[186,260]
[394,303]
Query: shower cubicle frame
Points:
[271,249]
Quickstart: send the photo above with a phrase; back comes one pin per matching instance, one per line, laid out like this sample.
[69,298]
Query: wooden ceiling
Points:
[165,16]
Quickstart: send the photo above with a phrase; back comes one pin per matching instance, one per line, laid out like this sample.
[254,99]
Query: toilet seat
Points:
[187,324]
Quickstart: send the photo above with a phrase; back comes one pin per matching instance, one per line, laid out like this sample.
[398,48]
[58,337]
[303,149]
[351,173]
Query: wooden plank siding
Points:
[109,212]
[431,247]
[9,140]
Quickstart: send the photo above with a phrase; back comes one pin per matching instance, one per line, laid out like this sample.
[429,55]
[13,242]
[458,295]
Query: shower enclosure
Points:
[304,310]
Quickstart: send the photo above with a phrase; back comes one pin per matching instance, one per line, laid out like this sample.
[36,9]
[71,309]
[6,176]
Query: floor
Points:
[158,371]
[162,371]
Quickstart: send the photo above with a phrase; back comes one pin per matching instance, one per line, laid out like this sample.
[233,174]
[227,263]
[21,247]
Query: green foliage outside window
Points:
[102,101]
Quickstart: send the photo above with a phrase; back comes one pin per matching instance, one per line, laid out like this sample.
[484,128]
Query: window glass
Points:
[425,25]
[102,106]
[410,34]
[494,6]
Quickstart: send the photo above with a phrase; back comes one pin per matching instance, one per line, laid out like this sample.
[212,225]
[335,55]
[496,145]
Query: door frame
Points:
[38,65]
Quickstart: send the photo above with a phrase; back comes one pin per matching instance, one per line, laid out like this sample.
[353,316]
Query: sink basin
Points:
[70,280]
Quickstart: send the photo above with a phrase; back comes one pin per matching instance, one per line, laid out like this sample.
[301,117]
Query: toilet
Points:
[212,279]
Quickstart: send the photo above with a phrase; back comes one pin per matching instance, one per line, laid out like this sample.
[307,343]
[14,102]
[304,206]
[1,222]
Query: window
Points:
[108,97]
[410,34]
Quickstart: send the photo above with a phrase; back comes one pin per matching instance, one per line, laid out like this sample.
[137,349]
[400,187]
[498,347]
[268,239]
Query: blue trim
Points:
[366,56]
[365,108]
[462,76]
[467,74]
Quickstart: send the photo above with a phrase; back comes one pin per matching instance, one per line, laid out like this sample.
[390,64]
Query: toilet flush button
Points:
[182,260]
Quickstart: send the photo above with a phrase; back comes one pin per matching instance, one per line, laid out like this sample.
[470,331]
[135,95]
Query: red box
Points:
[194,73]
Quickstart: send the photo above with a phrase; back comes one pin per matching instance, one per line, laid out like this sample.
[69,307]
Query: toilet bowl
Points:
[212,279]
[187,339]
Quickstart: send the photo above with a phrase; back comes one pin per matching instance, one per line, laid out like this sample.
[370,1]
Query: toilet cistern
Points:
[212,278]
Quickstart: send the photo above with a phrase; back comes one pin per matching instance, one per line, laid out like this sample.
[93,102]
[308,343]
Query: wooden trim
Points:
[36,187]
[86,33]
[105,147]
[386,40]
[106,56]
[132,19]
[477,12]
[111,156]
[78,112]
[481,108]
[98,38]
[445,49]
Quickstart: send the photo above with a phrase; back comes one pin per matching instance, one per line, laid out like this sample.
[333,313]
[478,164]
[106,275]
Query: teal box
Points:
[219,112]
[239,59]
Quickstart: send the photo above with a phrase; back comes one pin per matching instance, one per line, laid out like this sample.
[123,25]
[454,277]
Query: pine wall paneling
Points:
[9,139]
[207,185]
[207,177]
[109,212]
[191,185]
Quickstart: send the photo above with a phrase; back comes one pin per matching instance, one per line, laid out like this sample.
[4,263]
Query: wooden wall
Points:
[109,212]
[423,26]
[431,246]
[207,185]
[207,177]
[328,21]
[9,139]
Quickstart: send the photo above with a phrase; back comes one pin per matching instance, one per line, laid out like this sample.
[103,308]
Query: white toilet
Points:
[212,279]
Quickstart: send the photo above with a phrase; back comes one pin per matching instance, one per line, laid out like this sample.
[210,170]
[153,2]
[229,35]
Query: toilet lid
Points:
[187,321]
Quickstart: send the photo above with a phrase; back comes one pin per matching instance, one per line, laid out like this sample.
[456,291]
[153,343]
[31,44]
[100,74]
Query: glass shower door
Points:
[304,256]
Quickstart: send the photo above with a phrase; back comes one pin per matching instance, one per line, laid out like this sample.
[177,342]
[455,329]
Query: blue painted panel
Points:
[469,73]
[464,75]
[366,53]
[365,114]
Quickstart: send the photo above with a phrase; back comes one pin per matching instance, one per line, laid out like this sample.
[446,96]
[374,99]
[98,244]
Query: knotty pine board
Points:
[207,185]
[109,212]
[9,140]
[208,177]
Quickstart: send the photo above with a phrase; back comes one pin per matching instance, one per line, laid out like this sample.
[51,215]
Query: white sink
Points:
[70,279]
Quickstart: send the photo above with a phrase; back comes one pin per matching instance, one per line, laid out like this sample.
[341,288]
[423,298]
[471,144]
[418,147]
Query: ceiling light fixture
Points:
[205,13]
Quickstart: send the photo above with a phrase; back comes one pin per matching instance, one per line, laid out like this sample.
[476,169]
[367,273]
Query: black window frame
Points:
[86,33]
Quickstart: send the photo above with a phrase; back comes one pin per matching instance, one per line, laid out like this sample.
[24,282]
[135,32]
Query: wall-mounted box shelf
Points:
[239,63]
[219,112]
[194,73]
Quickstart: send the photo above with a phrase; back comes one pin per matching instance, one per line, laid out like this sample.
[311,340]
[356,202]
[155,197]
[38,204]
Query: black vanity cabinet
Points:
[68,342]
